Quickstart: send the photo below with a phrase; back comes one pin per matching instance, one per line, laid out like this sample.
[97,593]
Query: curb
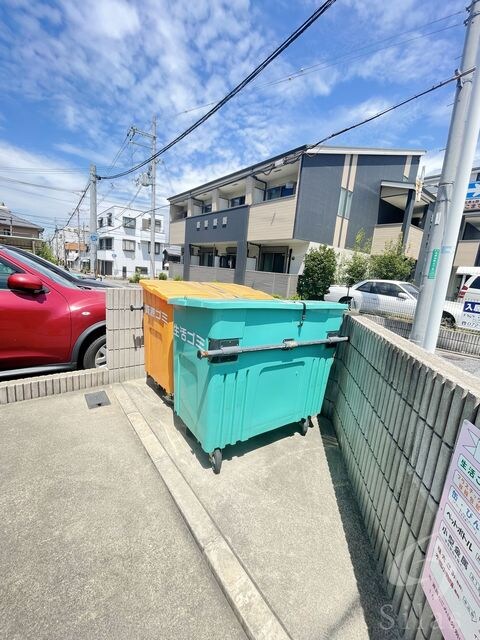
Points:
[257,619]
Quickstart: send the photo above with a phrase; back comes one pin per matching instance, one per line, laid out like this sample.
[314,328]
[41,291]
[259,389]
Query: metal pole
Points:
[93,219]
[429,291]
[454,218]
[78,229]
[153,172]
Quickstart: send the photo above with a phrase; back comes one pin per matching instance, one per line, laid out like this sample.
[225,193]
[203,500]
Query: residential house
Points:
[18,231]
[255,225]
[124,242]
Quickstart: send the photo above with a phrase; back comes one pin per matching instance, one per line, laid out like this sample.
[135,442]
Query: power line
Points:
[391,108]
[286,43]
[38,195]
[40,186]
[82,197]
[339,59]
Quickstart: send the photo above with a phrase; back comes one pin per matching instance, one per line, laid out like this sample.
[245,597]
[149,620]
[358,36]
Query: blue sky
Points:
[75,76]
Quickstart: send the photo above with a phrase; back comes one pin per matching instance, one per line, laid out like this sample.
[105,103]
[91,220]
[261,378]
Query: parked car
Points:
[470,290]
[83,281]
[47,322]
[388,297]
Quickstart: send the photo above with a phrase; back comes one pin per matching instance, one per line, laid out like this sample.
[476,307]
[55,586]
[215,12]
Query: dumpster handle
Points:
[304,313]
[286,345]
[132,308]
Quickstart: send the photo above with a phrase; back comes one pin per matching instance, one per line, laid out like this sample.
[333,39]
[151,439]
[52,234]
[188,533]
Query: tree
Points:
[318,273]
[357,267]
[392,264]
[45,252]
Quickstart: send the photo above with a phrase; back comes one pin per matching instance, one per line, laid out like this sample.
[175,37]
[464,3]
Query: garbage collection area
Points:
[236,362]
[272,547]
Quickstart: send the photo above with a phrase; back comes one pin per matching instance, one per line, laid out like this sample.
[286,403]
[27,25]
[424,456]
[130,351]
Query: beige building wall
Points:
[466,253]
[272,220]
[177,232]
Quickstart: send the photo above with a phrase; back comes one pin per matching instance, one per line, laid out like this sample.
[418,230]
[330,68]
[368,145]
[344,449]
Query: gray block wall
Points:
[125,352]
[397,411]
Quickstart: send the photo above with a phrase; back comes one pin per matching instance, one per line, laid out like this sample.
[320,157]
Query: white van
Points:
[470,290]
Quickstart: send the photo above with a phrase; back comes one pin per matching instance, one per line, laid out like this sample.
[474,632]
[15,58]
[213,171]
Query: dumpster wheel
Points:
[305,424]
[216,460]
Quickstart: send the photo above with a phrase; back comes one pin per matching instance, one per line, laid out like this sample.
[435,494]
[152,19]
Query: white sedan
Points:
[388,297]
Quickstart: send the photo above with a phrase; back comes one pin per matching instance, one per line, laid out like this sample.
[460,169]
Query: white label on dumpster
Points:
[189,336]
[156,313]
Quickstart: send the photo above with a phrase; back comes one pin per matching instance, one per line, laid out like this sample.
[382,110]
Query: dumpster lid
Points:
[167,289]
[237,303]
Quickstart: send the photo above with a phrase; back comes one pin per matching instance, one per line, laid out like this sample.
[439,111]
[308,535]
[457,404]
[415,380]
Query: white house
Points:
[124,242]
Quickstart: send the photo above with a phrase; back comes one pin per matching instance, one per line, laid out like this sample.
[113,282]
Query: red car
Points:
[47,322]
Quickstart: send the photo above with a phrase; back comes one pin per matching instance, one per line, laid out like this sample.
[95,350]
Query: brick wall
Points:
[396,411]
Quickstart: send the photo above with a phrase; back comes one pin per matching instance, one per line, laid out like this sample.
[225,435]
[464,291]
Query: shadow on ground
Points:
[373,597]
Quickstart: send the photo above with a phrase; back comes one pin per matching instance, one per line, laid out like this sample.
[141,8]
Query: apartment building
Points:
[124,242]
[255,226]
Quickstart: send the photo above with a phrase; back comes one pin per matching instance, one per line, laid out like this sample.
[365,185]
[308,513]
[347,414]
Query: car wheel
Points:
[448,321]
[96,354]
[346,301]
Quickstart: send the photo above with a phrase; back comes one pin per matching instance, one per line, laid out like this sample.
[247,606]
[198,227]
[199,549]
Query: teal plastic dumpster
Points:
[245,367]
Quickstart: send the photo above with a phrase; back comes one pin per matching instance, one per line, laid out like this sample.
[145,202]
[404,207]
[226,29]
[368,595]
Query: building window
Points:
[100,223]
[109,220]
[129,223]
[142,270]
[207,208]
[128,245]
[282,191]
[6,232]
[105,243]
[146,225]
[345,203]
[236,202]
[157,247]
[224,221]
[215,223]
[205,224]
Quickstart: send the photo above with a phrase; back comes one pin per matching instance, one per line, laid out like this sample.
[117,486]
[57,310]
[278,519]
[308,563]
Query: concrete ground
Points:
[284,505]
[91,544]
[464,362]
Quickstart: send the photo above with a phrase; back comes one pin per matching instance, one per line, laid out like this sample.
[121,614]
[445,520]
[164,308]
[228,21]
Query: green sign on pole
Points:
[433,264]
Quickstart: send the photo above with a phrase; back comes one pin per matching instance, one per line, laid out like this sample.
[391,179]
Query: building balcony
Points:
[384,234]
[177,232]
[467,252]
[272,220]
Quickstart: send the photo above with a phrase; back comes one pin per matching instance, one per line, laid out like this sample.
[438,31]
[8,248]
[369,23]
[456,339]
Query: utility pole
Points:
[149,180]
[93,219]
[447,216]
[153,176]
[78,230]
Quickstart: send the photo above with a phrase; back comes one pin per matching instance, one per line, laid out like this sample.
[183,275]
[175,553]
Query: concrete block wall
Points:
[50,385]
[397,411]
[125,351]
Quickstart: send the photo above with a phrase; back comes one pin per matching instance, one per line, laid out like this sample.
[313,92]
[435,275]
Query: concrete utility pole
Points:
[153,176]
[452,188]
[93,219]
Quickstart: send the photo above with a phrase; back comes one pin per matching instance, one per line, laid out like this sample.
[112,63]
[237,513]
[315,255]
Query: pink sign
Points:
[451,573]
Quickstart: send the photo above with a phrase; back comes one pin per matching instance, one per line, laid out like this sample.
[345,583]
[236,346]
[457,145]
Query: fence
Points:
[397,410]
[280,284]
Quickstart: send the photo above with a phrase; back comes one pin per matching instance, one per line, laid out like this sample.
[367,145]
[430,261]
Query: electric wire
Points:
[40,186]
[342,59]
[286,43]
